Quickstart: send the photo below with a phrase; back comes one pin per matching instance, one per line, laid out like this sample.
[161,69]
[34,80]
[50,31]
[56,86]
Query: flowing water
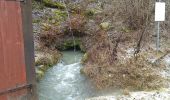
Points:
[65,82]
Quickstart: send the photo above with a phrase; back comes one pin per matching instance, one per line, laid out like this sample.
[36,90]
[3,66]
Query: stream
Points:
[65,82]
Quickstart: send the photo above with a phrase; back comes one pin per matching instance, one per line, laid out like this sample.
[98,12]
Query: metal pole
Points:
[158,36]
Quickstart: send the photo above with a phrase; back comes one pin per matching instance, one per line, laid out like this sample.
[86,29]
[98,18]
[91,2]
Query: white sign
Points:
[160,11]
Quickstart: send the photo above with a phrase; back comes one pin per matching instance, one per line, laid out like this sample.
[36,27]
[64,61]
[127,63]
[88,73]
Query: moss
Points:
[37,5]
[36,20]
[60,15]
[57,18]
[53,4]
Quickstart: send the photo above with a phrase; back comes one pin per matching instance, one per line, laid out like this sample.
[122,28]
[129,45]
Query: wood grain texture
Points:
[12,59]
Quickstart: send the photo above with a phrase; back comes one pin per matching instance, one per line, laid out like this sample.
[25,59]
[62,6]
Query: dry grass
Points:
[75,25]
[47,57]
[53,36]
[133,74]
[106,70]
[48,37]
[137,12]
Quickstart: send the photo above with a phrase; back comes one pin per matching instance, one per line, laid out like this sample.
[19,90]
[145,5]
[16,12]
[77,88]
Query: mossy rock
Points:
[39,74]
[85,58]
[44,61]
[53,4]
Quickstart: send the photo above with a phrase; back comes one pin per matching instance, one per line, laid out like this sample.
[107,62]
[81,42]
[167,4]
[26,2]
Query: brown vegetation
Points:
[64,36]
[132,74]
[121,18]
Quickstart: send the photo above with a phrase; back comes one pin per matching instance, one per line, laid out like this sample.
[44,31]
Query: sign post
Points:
[159,16]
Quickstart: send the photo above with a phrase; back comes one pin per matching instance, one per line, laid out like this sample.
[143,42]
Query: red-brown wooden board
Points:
[12,57]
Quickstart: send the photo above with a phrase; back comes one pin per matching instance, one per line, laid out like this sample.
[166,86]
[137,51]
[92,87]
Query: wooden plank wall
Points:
[12,59]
